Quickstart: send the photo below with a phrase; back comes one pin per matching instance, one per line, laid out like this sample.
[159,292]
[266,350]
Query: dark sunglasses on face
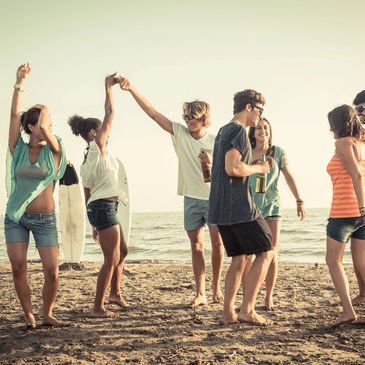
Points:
[188,117]
[261,110]
[360,108]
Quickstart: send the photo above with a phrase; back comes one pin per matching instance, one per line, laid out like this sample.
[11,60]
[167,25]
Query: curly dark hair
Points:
[344,122]
[81,126]
[247,96]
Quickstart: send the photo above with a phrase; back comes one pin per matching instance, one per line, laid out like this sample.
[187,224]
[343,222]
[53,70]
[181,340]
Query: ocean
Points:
[160,236]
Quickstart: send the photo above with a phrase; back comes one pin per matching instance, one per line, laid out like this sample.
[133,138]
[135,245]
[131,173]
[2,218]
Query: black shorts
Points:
[248,238]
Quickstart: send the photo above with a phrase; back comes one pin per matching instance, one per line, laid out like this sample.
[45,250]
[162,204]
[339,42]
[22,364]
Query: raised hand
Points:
[124,83]
[111,80]
[23,71]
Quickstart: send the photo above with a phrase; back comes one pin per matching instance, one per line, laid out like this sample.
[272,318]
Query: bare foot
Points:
[217,296]
[118,300]
[30,322]
[228,318]
[360,321]
[199,300]
[101,313]
[254,319]
[358,300]
[50,321]
[344,319]
[269,305]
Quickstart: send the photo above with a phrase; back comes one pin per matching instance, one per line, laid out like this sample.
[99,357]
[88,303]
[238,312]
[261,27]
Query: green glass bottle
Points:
[261,179]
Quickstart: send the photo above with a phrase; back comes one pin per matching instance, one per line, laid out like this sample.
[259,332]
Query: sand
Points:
[162,329]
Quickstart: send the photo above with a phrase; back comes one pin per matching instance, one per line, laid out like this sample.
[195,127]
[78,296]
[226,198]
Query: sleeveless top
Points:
[100,174]
[25,181]
[344,201]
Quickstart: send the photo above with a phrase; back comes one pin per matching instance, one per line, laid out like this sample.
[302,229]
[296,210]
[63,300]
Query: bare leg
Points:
[358,259]
[197,252]
[272,272]
[334,255]
[17,253]
[217,262]
[232,283]
[255,277]
[50,260]
[115,293]
[110,245]
[245,273]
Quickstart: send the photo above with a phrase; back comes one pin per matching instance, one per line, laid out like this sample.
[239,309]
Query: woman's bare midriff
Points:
[112,198]
[43,203]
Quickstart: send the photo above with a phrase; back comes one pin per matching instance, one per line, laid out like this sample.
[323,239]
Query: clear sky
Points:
[305,56]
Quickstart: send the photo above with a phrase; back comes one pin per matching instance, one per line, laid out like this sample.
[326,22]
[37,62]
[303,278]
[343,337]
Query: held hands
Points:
[124,83]
[22,72]
[112,79]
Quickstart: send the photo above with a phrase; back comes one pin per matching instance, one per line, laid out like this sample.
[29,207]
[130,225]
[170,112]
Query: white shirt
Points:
[190,179]
[100,174]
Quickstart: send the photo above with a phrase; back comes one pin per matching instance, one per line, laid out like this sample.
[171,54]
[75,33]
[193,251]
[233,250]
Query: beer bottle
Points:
[261,179]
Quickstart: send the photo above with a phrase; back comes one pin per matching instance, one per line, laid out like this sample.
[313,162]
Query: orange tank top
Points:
[344,200]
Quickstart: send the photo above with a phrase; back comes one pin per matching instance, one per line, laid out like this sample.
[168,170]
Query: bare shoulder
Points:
[344,142]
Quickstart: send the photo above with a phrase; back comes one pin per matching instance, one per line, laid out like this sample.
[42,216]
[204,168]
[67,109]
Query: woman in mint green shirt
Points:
[32,171]
[269,202]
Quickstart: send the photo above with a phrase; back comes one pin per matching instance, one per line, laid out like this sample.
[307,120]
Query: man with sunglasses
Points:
[243,229]
[359,103]
[189,140]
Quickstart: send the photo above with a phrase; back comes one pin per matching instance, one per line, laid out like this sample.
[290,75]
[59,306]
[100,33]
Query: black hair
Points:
[81,126]
[31,116]
[359,98]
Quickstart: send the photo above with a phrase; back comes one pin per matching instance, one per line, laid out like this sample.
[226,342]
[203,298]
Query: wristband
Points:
[19,88]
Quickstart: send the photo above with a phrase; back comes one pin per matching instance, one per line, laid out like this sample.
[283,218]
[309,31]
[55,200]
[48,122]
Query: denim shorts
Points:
[342,229]
[103,213]
[195,213]
[42,225]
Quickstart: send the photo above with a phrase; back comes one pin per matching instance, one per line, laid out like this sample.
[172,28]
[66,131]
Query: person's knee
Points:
[123,254]
[51,273]
[267,256]
[18,269]
[332,261]
[197,247]
[112,261]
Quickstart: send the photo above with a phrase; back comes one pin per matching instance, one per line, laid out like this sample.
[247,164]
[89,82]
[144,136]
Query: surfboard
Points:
[71,215]
[124,209]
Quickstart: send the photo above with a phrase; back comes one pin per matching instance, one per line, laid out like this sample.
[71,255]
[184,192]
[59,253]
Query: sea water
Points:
[161,236]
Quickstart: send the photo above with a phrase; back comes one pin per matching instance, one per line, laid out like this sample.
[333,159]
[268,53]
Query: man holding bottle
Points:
[192,144]
[243,230]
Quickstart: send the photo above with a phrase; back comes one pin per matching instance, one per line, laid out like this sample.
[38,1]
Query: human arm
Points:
[103,133]
[14,126]
[289,178]
[95,232]
[146,106]
[234,167]
[345,151]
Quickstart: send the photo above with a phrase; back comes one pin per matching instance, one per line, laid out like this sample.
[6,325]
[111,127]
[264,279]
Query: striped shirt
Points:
[344,200]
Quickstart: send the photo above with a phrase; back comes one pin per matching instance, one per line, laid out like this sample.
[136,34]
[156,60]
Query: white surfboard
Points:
[124,209]
[72,215]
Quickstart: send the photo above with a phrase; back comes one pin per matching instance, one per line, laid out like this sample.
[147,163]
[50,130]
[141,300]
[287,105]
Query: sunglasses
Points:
[261,110]
[188,117]
[360,108]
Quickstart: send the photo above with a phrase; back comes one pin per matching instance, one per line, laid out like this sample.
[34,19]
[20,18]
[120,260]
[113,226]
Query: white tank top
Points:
[100,174]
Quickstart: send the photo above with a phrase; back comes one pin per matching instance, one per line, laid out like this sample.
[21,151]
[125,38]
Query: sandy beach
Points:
[161,329]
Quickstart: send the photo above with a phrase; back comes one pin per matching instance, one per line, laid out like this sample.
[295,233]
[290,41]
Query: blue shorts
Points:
[103,213]
[42,225]
[342,229]
[195,213]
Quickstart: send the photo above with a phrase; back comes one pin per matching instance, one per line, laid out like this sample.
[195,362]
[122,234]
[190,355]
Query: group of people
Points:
[244,221]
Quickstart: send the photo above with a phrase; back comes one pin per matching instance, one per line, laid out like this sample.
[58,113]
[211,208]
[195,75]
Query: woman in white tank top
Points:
[99,173]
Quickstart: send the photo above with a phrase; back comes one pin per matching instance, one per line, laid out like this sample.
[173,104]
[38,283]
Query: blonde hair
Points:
[199,110]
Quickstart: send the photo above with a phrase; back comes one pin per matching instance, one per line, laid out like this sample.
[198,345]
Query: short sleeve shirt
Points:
[190,176]
[230,199]
[269,202]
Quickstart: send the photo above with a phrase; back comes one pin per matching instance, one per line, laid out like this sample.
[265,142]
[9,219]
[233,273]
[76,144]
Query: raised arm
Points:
[294,189]
[146,106]
[45,127]
[104,131]
[14,126]
[345,152]
[236,168]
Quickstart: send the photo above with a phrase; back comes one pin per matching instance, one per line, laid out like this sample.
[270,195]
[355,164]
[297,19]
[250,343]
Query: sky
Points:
[306,57]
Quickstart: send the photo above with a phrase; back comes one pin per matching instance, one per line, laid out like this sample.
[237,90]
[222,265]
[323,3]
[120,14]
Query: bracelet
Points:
[300,202]
[19,88]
